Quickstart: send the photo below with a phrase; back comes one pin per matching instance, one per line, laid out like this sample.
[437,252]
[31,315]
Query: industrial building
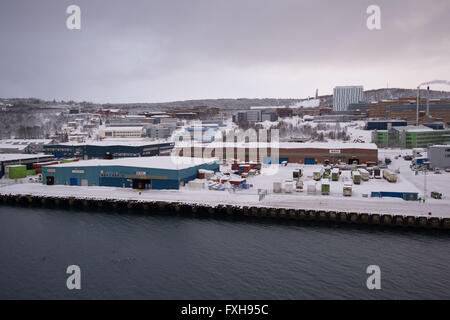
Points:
[343,96]
[304,153]
[122,132]
[24,145]
[384,124]
[112,147]
[12,159]
[439,156]
[136,173]
[406,109]
[410,137]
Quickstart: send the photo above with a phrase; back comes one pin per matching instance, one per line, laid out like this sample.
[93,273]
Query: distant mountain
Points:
[224,104]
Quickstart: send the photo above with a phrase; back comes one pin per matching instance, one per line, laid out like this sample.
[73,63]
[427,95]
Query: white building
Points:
[345,95]
[122,132]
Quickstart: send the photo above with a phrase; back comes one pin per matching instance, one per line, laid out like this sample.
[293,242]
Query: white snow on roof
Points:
[313,103]
[284,145]
[19,156]
[124,129]
[116,142]
[165,162]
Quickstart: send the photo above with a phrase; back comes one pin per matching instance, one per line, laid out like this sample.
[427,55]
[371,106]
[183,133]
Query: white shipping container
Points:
[277,187]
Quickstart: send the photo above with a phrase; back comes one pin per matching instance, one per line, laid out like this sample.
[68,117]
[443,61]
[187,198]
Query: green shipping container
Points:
[31,172]
[17,172]
[66,161]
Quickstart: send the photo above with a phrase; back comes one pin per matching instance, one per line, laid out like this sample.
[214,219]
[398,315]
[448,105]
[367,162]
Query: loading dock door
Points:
[73,181]
[50,180]
[310,161]
[84,182]
[142,184]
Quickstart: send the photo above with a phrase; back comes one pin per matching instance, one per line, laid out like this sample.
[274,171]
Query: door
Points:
[50,180]
[73,181]
[310,161]
[84,182]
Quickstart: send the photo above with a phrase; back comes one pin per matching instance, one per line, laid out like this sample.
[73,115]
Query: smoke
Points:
[435,82]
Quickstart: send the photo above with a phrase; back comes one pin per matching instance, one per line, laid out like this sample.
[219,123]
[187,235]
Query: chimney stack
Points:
[428,101]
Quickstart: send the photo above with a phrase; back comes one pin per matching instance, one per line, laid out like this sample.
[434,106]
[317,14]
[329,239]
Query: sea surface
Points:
[156,256]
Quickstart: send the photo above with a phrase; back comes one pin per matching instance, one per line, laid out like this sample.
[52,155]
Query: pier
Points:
[254,212]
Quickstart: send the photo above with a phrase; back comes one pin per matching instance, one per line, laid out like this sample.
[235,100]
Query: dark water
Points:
[155,257]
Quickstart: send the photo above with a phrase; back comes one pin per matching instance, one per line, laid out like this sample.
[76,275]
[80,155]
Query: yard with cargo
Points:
[279,186]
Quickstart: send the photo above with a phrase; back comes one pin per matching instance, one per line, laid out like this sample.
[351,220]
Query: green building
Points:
[410,137]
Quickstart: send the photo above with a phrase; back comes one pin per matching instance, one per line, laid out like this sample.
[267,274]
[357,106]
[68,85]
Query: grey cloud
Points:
[167,50]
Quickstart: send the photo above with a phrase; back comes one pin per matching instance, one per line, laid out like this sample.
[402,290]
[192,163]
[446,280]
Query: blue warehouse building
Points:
[117,149]
[137,173]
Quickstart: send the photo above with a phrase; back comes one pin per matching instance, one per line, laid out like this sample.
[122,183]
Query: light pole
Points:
[417,112]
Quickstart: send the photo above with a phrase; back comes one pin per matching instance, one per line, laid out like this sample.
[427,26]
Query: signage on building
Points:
[51,170]
[335,151]
[141,173]
[77,171]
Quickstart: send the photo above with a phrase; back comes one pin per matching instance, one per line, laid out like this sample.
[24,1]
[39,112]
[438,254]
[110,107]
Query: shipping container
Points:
[347,190]
[356,176]
[31,172]
[377,173]
[364,174]
[389,176]
[325,187]
[277,187]
[335,174]
[317,174]
[311,187]
[288,186]
[17,172]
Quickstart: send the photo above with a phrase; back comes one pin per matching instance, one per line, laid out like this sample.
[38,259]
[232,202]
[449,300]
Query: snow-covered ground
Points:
[407,182]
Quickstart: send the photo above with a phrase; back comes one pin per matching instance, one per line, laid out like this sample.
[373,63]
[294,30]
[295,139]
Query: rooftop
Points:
[166,162]
[285,145]
[20,156]
[124,129]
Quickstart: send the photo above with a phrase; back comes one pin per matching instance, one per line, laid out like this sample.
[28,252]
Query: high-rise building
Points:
[345,95]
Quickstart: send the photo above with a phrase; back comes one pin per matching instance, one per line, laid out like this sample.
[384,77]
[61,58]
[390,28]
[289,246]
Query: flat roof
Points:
[139,142]
[140,128]
[284,145]
[164,162]
[20,156]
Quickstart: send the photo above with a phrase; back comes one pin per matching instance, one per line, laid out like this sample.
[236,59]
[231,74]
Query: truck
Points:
[436,195]
[356,176]
[389,175]
[364,174]
[317,174]
[325,187]
[327,172]
[377,173]
[347,190]
[335,174]
[297,173]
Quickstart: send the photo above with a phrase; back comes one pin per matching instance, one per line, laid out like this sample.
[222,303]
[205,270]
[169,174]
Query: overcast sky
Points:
[166,50]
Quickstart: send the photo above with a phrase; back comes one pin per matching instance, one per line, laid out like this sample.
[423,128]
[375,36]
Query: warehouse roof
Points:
[285,145]
[19,156]
[166,162]
[124,128]
[138,142]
